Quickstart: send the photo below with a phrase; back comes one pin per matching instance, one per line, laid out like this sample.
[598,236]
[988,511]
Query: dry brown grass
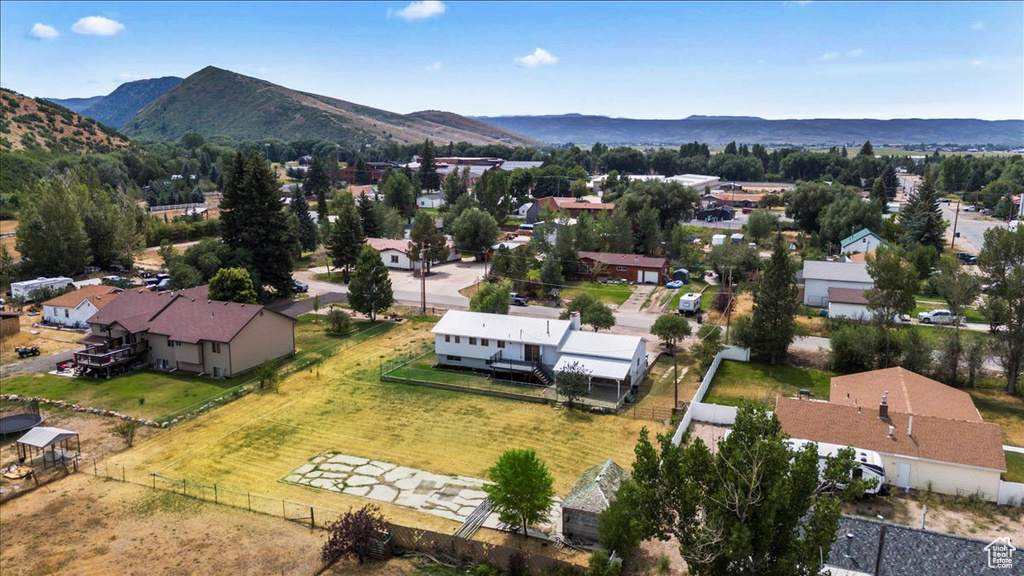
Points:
[49,340]
[251,444]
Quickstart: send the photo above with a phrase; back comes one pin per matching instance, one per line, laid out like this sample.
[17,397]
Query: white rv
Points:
[28,289]
[718,240]
[870,461]
[689,303]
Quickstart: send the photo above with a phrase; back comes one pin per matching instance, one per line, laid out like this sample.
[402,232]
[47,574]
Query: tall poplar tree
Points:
[253,223]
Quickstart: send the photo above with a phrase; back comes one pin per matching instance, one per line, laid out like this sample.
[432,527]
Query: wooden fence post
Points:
[215,494]
[122,473]
[312,523]
[248,496]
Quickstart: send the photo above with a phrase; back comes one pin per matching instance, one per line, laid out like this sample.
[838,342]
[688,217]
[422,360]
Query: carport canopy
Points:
[44,436]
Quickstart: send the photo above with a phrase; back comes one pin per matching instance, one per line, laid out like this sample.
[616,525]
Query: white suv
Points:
[939,316]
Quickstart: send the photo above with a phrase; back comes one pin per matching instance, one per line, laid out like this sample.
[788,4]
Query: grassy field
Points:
[161,393]
[336,277]
[736,382]
[706,299]
[658,390]
[423,369]
[997,406]
[1014,467]
[607,293]
[925,303]
[252,443]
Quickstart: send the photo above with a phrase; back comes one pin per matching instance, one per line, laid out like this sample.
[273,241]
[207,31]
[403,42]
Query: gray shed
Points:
[591,495]
[681,274]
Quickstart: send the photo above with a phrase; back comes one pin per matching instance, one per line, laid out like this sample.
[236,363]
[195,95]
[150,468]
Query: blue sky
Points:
[658,60]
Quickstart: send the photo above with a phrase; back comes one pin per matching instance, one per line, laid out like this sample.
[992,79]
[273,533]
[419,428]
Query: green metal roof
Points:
[859,235]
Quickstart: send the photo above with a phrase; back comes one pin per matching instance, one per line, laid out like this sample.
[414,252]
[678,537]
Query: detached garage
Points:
[849,303]
[634,268]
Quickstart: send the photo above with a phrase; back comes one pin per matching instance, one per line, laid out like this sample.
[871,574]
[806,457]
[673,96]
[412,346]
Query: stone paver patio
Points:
[452,497]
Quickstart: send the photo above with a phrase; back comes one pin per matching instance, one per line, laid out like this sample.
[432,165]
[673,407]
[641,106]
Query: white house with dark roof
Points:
[538,348]
[819,276]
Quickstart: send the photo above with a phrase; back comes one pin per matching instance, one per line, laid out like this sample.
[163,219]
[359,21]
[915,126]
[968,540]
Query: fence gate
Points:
[300,513]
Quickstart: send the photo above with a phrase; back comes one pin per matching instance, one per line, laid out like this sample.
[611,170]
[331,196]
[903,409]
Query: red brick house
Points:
[630,267]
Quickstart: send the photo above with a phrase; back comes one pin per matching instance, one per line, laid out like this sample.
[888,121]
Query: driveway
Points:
[43,363]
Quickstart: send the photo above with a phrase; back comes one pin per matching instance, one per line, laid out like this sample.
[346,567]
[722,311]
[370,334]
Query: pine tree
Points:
[426,237]
[867,150]
[346,237]
[429,178]
[317,183]
[844,153]
[308,236]
[891,180]
[878,191]
[370,290]
[253,223]
[551,275]
[368,216]
[922,219]
[775,305]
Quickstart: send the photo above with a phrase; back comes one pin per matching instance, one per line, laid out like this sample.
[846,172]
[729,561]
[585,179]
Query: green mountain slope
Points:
[37,124]
[219,102]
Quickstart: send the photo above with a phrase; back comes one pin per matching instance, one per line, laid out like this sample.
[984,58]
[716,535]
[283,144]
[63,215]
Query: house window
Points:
[394,259]
[458,340]
[66,313]
[485,342]
[501,343]
[621,268]
[472,341]
[451,358]
[447,338]
[215,347]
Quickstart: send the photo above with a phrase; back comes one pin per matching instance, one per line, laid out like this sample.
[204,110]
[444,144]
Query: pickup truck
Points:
[939,316]
[516,300]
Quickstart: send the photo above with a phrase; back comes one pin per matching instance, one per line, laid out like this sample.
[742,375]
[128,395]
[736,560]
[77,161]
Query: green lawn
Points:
[736,382]
[1014,467]
[607,293]
[706,299]
[161,392]
[925,303]
[995,405]
[336,277]
[424,369]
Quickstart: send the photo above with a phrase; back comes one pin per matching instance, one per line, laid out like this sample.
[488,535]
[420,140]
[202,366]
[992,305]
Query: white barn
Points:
[818,276]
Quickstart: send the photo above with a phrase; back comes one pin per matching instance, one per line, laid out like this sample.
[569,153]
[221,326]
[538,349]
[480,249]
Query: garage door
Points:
[651,277]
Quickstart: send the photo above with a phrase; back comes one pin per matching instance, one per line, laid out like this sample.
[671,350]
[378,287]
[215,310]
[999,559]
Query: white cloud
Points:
[44,31]
[420,10]
[829,56]
[434,66]
[855,52]
[539,57]
[977,62]
[977,26]
[127,77]
[97,26]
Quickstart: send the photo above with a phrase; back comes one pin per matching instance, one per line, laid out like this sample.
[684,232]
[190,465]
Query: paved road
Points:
[296,308]
[970,225]
[43,363]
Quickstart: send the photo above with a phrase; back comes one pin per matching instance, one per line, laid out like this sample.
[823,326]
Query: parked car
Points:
[516,300]
[985,211]
[299,287]
[971,209]
[966,258]
[163,284]
[939,316]
[117,268]
[945,200]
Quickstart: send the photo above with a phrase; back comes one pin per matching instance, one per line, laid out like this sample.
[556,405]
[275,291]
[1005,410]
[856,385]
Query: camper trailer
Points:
[718,240]
[29,289]
[689,303]
[870,462]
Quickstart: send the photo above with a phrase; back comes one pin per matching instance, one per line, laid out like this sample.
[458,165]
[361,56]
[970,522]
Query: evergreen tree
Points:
[368,216]
[648,238]
[867,150]
[879,193]
[399,194]
[922,219]
[501,262]
[492,193]
[891,180]
[428,238]
[308,236]
[844,153]
[253,223]
[775,305]
[370,290]
[895,283]
[347,238]
[429,178]
[551,277]
[317,183]
[455,185]
[730,148]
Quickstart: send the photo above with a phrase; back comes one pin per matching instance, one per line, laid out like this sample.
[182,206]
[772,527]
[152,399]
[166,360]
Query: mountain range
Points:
[220,102]
[585,129]
[118,107]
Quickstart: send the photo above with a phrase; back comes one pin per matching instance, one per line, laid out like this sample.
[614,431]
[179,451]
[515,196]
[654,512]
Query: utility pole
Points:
[956,217]
[728,307]
[675,367]
[423,280]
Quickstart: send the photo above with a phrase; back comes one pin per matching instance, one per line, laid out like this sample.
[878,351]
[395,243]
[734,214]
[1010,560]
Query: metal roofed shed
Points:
[38,439]
[593,493]
[718,240]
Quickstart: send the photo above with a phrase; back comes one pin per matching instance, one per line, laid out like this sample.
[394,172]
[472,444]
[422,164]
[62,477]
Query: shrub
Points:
[354,535]
[338,321]
[126,431]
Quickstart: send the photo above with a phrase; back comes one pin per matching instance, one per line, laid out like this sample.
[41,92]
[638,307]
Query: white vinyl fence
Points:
[1011,493]
[696,406]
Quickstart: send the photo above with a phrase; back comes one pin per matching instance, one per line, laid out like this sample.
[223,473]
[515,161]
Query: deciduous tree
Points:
[492,298]
[475,230]
[572,382]
[522,488]
[354,534]
[895,283]
[232,285]
[671,329]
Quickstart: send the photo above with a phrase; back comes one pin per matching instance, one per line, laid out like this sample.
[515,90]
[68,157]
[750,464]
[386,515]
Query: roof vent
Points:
[892,429]
[225,303]
[208,301]
[883,408]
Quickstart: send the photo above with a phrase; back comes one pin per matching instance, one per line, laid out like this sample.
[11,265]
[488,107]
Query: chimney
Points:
[883,408]
[574,321]
[910,425]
